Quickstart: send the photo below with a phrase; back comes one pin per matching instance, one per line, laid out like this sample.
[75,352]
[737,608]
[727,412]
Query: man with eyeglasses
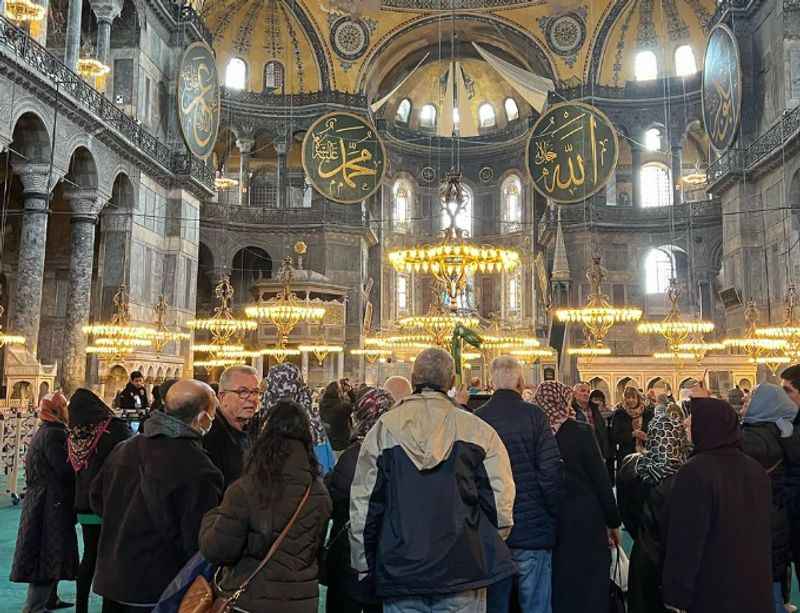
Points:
[228,440]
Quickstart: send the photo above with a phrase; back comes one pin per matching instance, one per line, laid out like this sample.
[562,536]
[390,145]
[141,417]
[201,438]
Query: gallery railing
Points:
[63,81]
[321,212]
[184,13]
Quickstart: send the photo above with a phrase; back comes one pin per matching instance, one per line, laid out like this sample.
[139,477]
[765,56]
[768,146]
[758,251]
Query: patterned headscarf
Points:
[554,399]
[53,407]
[371,405]
[89,418]
[285,382]
[666,448]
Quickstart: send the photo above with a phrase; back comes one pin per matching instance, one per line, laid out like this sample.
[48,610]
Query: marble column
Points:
[281,177]
[340,364]
[32,243]
[73,36]
[106,11]
[84,206]
[245,146]
[677,173]
[636,175]
[304,365]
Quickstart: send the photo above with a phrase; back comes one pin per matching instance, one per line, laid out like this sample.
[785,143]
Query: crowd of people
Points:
[400,499]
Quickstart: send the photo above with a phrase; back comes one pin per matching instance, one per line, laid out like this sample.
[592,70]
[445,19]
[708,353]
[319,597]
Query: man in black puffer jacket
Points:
[537,468]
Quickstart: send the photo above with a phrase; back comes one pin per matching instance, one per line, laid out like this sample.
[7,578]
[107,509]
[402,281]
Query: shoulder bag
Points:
[203,598]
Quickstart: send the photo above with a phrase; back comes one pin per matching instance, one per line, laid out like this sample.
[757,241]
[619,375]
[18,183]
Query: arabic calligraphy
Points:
[721,87]
[572,152]
[343,157]
[198,99]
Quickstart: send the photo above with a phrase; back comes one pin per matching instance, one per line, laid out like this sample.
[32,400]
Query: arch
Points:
[645,65]
[656,185]
[653,138]
[626,382]
[149,376]
[205,278]
[657,382]
[402,201]
[248,265]
[128,27]
[123,195]
[685,61]
[22,390]
[274,76]
[684,381]
[487,118]
[511,108]
[404,110]
[160,375]
[82,168]
[511,199]
[31,138]
[428,115]
[599,383]
[662,264]
[236,73]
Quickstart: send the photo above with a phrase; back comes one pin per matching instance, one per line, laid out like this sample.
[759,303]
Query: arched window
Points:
[464,216]
[403,111]
[659,268]
[512,203]
[486,116]
[512,110]
[646,66]
[652,139]
[456,118]
[685,64]
[513,294]
[236,74]
[427,116]
[401,291]
[656,185]
[402,199]
[273,75]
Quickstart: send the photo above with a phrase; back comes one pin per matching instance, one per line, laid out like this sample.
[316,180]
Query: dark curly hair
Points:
[286,421]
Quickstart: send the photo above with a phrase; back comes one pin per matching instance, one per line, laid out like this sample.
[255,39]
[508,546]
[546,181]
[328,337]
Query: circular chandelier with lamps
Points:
[9,339]
[453,259]
[437,324]
[118,338]
[679,356]
[279,353]
[754,346]
[674,328]
[789,330]
[24,10]
[533,354]
[595,350]
[320,351]
[598,316]
[222,325]
[163,335]
[372,354]
[91,68]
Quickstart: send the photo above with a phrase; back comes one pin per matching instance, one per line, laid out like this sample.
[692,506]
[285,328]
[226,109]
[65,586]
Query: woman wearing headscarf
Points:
[345,593]
[768,437]
[47,547]
[590,522]
[629,424]
[335,409]
[285,382]
[644,484]
[93,432]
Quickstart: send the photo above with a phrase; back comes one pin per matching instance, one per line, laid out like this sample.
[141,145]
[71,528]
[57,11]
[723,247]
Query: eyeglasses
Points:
[244,393]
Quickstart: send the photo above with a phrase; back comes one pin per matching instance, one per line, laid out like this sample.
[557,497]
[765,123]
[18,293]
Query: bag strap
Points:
[275,545]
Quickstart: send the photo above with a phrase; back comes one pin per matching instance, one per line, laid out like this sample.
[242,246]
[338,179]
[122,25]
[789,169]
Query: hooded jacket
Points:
[432,493]
[718,537]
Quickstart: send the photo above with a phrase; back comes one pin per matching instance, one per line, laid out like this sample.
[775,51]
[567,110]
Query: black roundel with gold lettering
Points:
[572,152]
[343,157]
[722,87]
[198,99]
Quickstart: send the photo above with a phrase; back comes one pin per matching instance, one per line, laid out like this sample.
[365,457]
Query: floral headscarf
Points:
[53,408]
[285,382]
[666,448]
[554,399]
[89,418]
[371,405]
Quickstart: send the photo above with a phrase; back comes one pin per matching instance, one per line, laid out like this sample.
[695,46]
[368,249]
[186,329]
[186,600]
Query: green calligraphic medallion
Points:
[572,152]
[344,158]
[722,87]
[198,99]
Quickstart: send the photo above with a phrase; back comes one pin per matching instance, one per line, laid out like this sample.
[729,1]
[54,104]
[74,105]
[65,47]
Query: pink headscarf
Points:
[555,399]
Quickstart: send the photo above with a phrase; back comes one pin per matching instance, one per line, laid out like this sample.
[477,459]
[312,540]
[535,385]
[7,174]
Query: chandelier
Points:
[371,354]
[437,324]
[279,353]
[533,355]
[221,182]
[320,351]
[286,310]
[674,328]
[678,356]
[789,331]
[24,10]
[696,177]
[598,316]
[757,348]
[162,335]
[222,325]
[216,348]
[452,260]
[118,338]
[216,363]
[592,350]
[9,339]
[698,348]
[90,68]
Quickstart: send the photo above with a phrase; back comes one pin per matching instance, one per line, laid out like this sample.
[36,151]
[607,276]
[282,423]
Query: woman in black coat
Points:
[93,432]
[335,409]
[47,547]
[629,425]
[345,593]
[644,485]
[589,524]
[258,506]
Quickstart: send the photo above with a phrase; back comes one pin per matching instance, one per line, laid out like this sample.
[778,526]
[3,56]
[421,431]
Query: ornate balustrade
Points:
[701,211]
[320,213]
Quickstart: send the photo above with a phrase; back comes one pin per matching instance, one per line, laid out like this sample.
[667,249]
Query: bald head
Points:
[399,387]
[187,398]
[434,368]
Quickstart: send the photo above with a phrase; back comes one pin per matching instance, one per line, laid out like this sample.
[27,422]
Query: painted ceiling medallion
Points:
[349,37]
[428,174]
[565,34]
[486,174]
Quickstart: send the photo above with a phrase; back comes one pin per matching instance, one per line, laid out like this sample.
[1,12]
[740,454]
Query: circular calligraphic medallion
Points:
[350,38]
[722,87]
[486,174]
[428,174]
[343,157]
[198,99]
[572,152]
[566,34]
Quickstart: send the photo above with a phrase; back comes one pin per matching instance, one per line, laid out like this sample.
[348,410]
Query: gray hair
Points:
[506,373]
[433,367]
[232,371]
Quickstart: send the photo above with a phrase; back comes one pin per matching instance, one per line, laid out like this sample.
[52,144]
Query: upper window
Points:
[402,202]
[402,293]
[513,294]
[456,118]
[685,64]
[512,110]
[652,139]
[486,116]
[512,203]
[236,74]
[646,66]
[273,75]
[656,185]
[659,268]
[464,216]
[427,116]
[403,111]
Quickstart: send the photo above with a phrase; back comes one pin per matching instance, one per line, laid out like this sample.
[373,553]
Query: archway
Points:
[660,385]
[598,383]
[31,139]
[626,382]
[205,279]
[249,264]
[22,390]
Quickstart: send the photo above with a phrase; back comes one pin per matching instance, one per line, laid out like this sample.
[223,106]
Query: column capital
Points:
[245,145]
[106,10]
[36,179]
[85,204]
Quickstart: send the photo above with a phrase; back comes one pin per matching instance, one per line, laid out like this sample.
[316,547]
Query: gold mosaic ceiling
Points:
[576,42]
